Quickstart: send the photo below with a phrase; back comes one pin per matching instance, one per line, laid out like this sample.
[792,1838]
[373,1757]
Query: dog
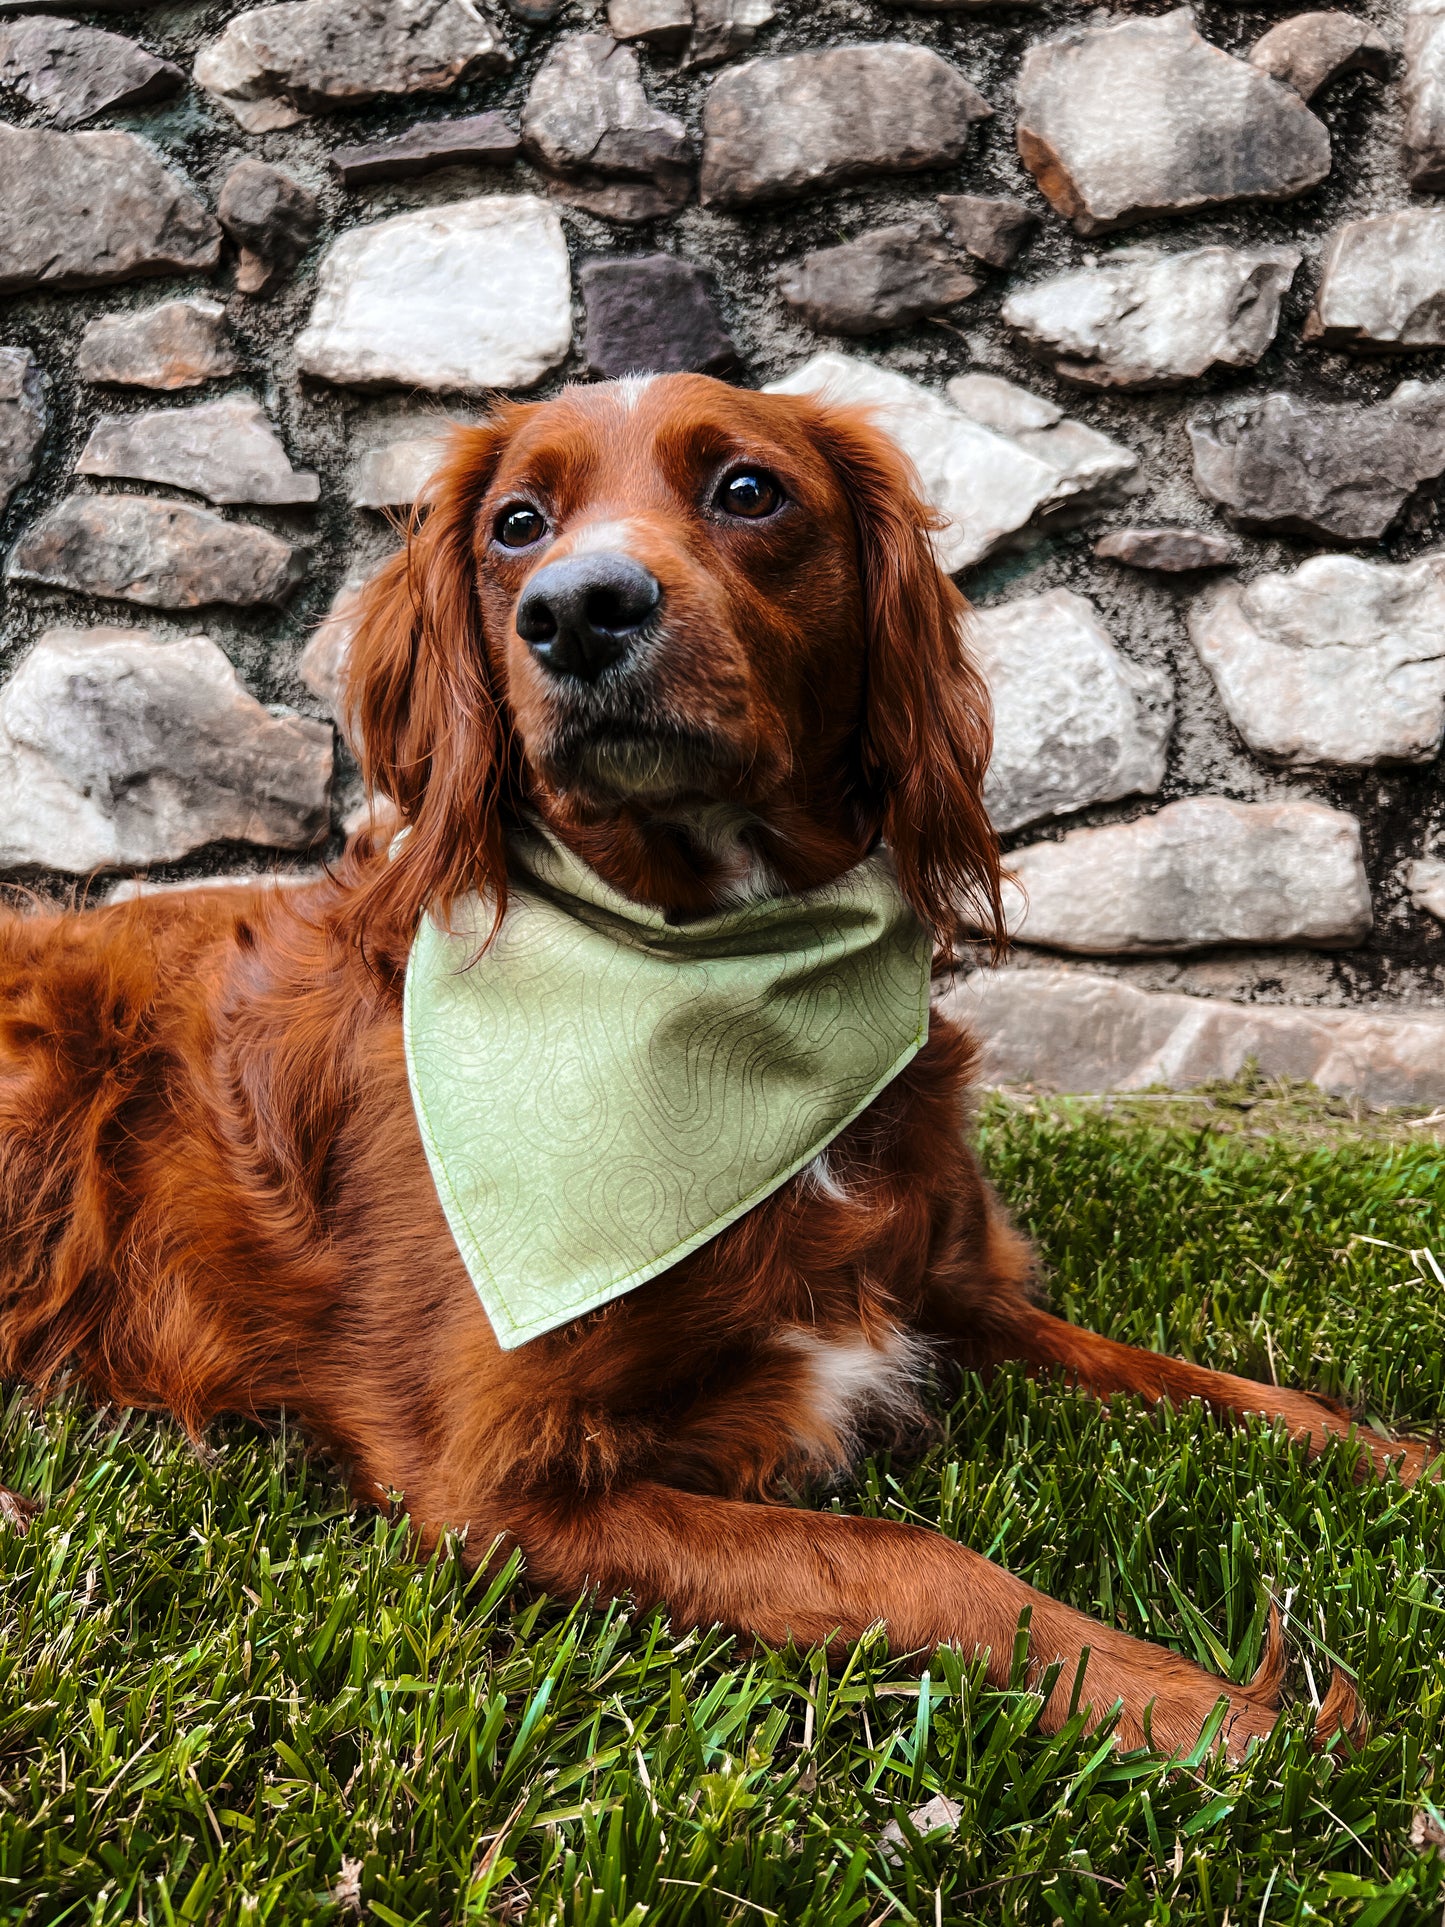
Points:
[699,635]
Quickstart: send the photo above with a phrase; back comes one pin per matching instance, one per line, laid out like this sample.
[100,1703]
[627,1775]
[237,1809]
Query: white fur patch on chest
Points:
[721,830]
[819,1176]
[849,1380]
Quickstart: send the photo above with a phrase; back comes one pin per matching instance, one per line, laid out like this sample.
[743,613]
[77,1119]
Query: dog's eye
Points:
[751,493]
[519,526]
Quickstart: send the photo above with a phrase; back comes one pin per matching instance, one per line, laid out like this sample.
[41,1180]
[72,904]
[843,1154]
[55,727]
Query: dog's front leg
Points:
[817,1578]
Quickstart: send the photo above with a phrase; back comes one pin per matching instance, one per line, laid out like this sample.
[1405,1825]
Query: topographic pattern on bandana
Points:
[600,1091]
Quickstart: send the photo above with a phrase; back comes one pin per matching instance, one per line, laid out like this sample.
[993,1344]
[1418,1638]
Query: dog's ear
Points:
[421,704]
[928,721]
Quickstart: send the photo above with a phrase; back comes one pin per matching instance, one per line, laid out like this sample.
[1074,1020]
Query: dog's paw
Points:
[1175,1719]
[1173,1702]
[16,1511]
[1254,1709]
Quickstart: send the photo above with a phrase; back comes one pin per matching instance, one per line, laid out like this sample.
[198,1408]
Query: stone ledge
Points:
[1073,1030]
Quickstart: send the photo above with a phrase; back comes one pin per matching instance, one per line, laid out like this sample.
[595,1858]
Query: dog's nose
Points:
[583,613]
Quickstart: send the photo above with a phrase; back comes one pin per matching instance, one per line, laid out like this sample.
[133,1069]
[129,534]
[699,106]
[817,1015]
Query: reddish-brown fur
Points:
[212,1191]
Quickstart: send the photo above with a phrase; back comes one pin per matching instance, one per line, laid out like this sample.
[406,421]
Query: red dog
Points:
[214,1194]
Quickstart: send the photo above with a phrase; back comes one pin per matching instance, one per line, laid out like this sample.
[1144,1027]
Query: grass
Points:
[225,1696]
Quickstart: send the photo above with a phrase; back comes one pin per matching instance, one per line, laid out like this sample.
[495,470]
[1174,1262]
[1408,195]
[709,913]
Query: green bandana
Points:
[602,1091]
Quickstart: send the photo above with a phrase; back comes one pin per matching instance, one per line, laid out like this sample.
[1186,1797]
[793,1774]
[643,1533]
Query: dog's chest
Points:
[848,1383]
[848,1377]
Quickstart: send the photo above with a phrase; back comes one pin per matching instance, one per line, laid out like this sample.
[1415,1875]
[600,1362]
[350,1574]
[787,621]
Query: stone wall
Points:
[1154,300]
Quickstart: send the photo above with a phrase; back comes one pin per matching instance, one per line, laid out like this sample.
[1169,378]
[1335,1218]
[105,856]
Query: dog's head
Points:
[699,630]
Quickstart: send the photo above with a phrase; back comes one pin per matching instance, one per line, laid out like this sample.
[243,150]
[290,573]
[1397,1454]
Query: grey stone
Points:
[588,120]
[1340,662]
[1383,283]
[652,314]
[1075,1030]
[1093,472]
[992,229]
[469,296]
[72,73]
[1310,50]
[1171,551]
[723,29]
[1198,873]
[629,202]
[773,129]
[1123,121]
[179,344]
[476,140]
[984,486]
[225,450]
[1424,91]
[1003,405]
[80,210]
[377,815]
[1341,469]
[165,555]
[881,279]
[1424,878]
[1075,722]
[1146,319]
[272,219]
[393,473]
[663,25]
[990,488]
[132,889]
[100,6]
[272,65]
[632,203]
[22,419]
[322,663]
[938,1815]
[700,32]
[119,747]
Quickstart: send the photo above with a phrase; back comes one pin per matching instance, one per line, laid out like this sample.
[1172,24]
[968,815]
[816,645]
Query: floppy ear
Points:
[422,708]
[928,721]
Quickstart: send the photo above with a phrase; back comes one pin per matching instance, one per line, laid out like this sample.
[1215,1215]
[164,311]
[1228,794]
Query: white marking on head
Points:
[630,390]
[595,537]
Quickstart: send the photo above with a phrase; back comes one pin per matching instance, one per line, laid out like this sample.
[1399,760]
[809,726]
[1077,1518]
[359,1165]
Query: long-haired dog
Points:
[213,1192]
